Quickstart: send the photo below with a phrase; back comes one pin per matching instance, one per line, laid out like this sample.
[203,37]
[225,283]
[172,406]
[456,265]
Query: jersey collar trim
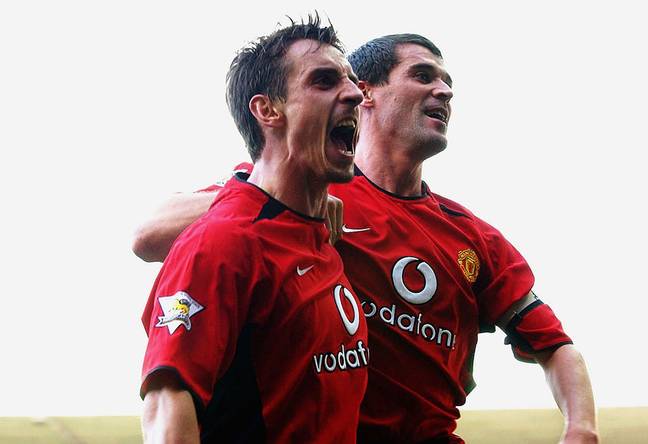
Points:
[425,191]
[276,206]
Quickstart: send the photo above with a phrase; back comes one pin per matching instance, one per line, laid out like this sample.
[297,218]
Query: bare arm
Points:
[569,381]
[567,376]
[169,414]
[153,239]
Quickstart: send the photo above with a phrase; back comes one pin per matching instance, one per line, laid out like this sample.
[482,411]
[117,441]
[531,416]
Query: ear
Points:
[265,111]
[367,92]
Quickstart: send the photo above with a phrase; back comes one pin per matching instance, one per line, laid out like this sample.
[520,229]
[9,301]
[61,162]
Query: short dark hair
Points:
[373,61]
[260,68]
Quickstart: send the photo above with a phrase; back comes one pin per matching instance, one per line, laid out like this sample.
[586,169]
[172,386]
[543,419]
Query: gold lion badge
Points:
[469,264]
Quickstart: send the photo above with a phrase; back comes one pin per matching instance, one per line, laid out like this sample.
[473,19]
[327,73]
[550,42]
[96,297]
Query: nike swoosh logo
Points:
[303,271]
[346,229]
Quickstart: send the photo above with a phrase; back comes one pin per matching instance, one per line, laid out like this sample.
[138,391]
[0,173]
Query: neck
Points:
[291,186]
[389,165]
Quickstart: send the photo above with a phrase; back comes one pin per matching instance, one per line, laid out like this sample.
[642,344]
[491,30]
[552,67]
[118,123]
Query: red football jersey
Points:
[253,312]
[430,276]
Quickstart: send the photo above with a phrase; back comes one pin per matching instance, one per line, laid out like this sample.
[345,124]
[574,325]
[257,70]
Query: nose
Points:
[351,94]
[442,91]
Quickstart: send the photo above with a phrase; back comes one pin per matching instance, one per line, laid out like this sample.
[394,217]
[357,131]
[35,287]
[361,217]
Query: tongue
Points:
[343,136]
[339,143]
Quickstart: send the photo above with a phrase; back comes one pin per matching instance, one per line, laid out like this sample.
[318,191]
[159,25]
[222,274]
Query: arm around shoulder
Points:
[169,414]
[153,239]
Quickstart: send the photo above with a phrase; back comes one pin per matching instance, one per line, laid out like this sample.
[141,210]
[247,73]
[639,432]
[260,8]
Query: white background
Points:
[106,108]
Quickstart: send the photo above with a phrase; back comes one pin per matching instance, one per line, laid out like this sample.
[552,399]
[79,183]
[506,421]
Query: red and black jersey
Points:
[430,276]
[253,312]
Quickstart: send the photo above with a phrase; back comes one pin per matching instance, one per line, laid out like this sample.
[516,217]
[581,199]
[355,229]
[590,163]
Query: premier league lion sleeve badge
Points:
[178,310]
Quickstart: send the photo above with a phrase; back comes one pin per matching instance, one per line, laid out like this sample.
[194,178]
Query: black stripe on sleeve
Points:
[512,336]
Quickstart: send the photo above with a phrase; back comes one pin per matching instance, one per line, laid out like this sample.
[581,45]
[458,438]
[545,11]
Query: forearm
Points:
[169,417]
[569,381]
[153,239]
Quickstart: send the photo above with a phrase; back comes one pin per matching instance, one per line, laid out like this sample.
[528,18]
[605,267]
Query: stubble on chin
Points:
[340,175]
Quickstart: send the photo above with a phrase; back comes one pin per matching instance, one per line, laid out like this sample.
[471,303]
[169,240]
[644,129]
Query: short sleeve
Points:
[508,277]
[201,300]
[212,188]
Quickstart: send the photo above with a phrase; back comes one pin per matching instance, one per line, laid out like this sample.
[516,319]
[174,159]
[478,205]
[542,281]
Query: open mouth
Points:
[344,135]
[438,114]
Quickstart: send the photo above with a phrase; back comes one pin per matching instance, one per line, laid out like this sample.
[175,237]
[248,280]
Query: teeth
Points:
[344,132]
[437,115]
[347,123]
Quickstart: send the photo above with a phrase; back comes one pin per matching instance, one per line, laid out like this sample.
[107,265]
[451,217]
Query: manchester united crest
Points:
[469,264]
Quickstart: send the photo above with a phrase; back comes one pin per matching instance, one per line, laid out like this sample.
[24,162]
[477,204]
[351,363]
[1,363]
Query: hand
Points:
[579,436]
[334,218]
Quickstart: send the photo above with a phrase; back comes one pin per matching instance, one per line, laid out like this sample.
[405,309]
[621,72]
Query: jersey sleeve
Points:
[508,278]
[202,298]
[534,329]
[212,188]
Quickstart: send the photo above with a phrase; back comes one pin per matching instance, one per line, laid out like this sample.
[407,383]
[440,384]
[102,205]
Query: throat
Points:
[398,177]
[291,187]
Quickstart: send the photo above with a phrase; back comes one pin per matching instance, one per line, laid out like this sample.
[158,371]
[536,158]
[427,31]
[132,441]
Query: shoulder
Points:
[219,235]
[465,218]
[453,208]
[243,167]
[212,251]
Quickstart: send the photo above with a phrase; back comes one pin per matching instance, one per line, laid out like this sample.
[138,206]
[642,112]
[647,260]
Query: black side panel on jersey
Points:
[234,414]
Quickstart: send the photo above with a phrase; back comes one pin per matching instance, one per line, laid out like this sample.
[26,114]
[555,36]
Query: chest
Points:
[412,258]
[314,304]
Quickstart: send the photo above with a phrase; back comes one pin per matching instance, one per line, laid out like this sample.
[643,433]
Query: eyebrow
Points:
[434,68]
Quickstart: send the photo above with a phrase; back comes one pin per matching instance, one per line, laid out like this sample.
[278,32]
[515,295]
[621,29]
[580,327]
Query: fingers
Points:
[339,211]
[327,222]
[334,218]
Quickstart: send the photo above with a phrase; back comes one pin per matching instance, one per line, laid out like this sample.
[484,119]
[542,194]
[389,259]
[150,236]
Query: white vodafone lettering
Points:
[344,359]
[410,296]
[412,323]
[351,326]
[347,356]
[398,316]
